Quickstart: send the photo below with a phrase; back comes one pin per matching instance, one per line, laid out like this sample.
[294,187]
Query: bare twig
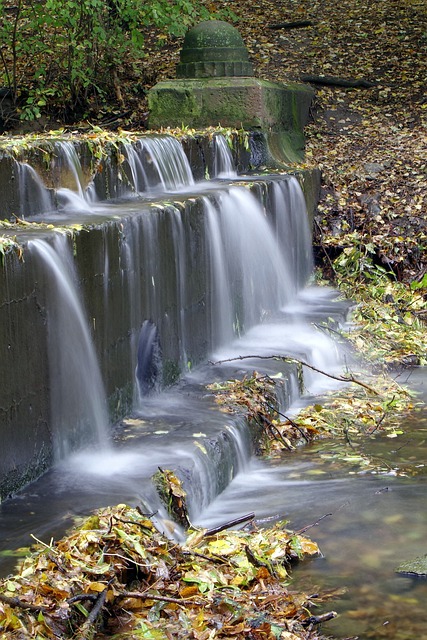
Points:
[229,524]
[92,597]
[314,524]
[292,360]
[148,596]
[291,422]
[319,619]
[332,81]
[275,433]
[21,604]
[253,559]
[297,24]
[86,627]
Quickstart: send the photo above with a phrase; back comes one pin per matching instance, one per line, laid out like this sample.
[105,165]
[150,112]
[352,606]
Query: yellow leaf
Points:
[95,586]
[187,592]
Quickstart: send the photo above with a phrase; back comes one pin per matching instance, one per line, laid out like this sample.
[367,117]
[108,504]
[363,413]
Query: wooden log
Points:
[297,24]
[333,81]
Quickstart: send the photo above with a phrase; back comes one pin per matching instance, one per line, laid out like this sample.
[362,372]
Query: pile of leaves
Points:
[256,396]
[356,410]
[117,576]
[389,317]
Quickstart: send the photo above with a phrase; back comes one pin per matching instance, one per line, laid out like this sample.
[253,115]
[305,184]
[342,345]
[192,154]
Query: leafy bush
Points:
[70,53]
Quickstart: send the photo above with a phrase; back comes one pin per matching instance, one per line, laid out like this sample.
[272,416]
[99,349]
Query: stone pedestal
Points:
[238,102]
[215,87]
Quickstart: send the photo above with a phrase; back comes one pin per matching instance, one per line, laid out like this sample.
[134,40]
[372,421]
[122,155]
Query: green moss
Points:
[417,566]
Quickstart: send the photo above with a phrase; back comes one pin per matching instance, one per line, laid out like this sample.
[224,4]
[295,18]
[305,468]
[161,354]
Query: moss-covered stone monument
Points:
[215,86]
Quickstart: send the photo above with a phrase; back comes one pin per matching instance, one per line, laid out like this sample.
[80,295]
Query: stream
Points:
[370,518]
[367,522]
[374,522]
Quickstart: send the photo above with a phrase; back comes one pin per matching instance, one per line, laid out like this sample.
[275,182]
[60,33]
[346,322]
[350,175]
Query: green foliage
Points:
[389,317]
[72,52]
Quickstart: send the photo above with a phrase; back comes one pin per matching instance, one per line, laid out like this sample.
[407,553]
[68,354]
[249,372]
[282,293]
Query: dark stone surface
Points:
[25,437]
[213,49]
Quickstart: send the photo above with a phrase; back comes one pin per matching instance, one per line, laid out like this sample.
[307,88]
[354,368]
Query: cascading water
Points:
[78,405]
[33,195]
[157,164]
[223,159]
[251,262]
[230,273]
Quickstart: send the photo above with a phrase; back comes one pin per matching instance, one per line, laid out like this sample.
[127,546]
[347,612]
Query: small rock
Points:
[415,567]
[373,167]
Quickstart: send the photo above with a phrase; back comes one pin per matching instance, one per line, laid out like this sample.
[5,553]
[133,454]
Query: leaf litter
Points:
[118,576]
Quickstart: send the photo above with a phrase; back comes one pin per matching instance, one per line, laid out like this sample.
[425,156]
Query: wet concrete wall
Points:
[24,168]
[25,437]
[129,271]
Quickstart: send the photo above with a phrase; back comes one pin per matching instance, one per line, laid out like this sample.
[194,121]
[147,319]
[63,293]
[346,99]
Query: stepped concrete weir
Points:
[215,85]
[105,300]
[128,262]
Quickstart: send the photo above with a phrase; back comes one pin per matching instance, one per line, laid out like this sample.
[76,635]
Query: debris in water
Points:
[117,574]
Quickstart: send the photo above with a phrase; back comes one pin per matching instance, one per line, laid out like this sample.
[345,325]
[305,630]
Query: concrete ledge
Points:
[247,103]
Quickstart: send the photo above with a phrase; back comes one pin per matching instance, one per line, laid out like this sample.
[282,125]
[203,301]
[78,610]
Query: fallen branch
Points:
[313,524]
[253,559]
[148,596]
[86,628]
[229,524]
[291,422]
[297,24]
[16,602]
[332,81]
[275,433]
[292,360]
[93,597]
[319,619]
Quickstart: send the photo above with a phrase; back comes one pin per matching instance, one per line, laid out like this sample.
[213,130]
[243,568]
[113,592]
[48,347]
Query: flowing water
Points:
[78,407]
[257,269]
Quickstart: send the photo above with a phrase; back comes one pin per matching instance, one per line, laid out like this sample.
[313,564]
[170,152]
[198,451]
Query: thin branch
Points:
[229,524]
[93,597]
[314,524]
[297,24]
[96,609]
[291,422]
[148,596]
[16,602]
[292,360]
[319,619]
[86,628]
[276,433]
[332,81]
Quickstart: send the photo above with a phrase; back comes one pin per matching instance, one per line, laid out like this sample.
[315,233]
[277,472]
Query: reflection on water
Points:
[376,522]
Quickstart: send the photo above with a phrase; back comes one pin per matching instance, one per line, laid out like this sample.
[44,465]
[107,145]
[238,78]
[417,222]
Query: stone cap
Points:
[213,49]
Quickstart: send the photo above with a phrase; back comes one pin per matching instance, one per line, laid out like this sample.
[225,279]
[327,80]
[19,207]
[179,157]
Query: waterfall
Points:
[161,286]
[157,164]
[34,197]
[250,276]
[223,159]
[74,193]
[151,166]
[292,228]
[78,405]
